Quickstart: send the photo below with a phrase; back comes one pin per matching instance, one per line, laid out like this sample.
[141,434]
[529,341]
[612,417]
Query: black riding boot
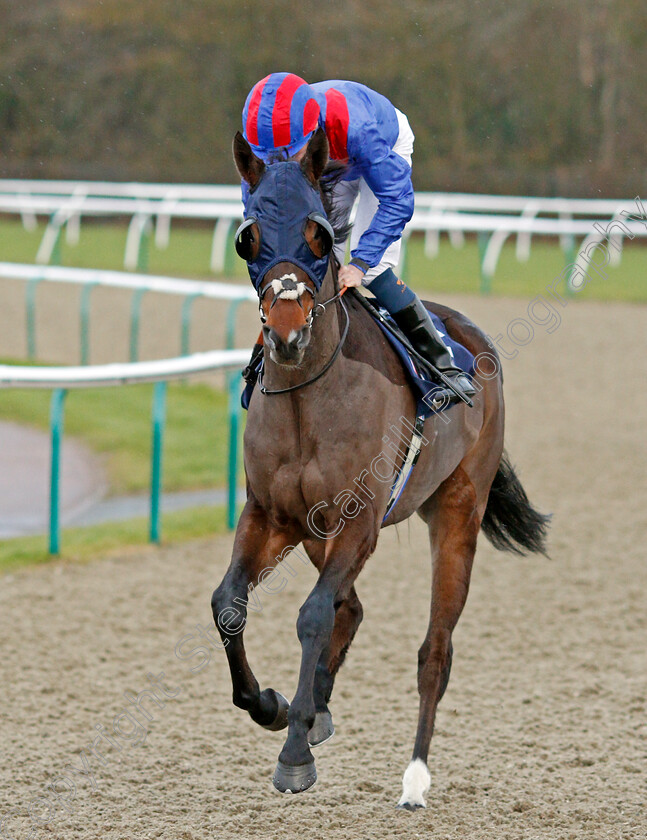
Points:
[415,322]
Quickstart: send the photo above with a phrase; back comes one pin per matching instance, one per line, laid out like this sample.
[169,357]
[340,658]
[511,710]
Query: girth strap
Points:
[411,459]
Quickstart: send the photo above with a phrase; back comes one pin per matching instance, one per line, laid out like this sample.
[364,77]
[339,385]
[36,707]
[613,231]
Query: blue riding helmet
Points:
[281,205]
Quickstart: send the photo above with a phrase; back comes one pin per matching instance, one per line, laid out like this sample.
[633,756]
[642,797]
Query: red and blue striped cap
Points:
[281,112]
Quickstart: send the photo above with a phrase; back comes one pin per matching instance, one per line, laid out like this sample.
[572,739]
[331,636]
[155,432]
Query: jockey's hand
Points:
[350,275]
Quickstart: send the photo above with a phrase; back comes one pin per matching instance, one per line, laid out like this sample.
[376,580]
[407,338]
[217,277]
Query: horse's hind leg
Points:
[258,545]
[453,518]
[348,617]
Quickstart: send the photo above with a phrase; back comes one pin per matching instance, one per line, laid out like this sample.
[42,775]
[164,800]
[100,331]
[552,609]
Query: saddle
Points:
[422,379]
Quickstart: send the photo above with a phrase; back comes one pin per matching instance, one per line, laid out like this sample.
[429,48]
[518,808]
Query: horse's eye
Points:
[319,235]
[248,239]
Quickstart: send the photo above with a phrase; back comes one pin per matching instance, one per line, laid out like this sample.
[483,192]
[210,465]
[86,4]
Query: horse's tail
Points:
[510,522]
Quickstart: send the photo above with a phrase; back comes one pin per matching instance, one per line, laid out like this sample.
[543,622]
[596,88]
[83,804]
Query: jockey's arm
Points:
[390,181]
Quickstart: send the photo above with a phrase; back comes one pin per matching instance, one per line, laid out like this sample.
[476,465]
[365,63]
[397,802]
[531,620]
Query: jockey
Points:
[367,133]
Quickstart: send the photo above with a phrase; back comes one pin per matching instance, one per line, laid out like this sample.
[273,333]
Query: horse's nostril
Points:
[294,340]
[271,337]
[286,349]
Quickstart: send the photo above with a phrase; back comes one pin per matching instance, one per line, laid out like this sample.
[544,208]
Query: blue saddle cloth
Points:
[421,382]
[423,386]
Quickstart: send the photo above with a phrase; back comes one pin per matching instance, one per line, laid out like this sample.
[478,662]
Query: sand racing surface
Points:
[542,732]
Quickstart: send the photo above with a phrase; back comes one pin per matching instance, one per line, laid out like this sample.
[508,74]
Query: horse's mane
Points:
[332,174]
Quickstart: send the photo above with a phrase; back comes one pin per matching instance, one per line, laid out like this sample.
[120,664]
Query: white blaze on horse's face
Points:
[287,313]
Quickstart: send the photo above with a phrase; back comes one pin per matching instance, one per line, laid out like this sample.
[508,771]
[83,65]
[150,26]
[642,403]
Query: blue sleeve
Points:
[389,177]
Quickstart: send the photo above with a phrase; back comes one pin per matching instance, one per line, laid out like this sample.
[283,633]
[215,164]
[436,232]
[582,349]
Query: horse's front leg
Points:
[295,770]
[258,546]
[348,617]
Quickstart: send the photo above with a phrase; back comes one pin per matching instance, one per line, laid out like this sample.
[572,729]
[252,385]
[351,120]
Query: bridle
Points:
[279,295]
[262,251]
[318,309]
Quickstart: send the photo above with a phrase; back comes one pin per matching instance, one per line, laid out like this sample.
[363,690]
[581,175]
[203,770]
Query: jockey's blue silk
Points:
[281,204]
[362,128]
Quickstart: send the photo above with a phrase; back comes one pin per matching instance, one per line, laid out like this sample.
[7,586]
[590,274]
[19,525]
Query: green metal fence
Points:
[60,380]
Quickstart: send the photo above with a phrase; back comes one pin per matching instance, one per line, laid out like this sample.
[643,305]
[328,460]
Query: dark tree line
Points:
[518,96]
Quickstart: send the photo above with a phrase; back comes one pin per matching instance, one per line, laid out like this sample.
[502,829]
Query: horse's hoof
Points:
[322,729]
[281,719]
[409,806]
[294,779]
[415,783]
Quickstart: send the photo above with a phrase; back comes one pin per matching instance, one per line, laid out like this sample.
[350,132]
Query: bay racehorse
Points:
[319,473]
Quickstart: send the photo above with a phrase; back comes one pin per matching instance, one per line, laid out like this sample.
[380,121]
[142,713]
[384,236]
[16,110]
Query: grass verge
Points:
[102,244]
[457,270]
[80,544]
[115,422]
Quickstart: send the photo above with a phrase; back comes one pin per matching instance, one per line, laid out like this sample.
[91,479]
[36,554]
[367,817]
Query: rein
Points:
[318,310]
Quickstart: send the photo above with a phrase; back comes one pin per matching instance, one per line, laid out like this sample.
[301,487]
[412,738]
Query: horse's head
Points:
[286,241]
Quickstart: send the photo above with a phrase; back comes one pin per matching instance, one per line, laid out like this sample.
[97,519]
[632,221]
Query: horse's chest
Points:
[291,475]
[298,460]
[285,486]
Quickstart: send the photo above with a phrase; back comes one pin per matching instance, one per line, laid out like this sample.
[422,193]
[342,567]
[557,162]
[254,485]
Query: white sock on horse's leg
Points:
[415,783]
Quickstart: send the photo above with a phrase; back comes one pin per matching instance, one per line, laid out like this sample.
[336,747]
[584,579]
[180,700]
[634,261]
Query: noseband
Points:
[288,287]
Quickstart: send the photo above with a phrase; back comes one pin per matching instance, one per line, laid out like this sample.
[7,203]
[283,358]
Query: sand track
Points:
[542,732]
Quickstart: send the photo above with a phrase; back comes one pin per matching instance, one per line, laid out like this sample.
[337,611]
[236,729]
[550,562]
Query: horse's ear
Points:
[250,167]
[316,157]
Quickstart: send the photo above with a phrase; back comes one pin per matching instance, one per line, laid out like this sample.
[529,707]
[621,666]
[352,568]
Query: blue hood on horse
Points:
[281,205]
